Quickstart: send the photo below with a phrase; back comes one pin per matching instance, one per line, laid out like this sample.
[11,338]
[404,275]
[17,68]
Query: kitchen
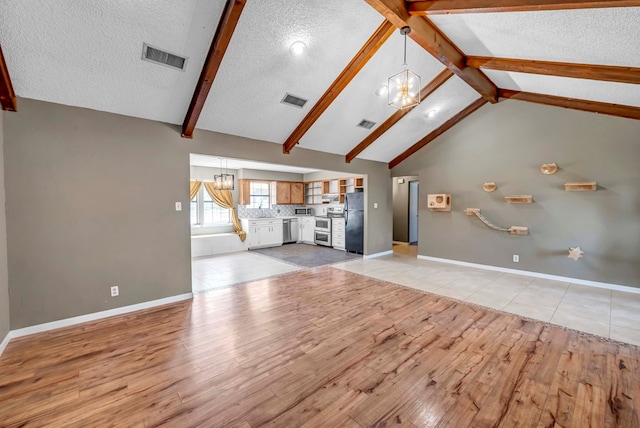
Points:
[279,205]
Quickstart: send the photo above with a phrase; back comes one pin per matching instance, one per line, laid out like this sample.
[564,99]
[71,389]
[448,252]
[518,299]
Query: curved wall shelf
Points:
[489,186]
[549,168]
[514,230]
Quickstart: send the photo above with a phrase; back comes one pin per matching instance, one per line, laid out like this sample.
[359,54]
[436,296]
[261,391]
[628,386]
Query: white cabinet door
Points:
[273,234]
[307,226]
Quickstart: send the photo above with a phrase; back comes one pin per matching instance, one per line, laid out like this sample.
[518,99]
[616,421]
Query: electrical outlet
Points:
[115,291]
[178,206]
[516,258]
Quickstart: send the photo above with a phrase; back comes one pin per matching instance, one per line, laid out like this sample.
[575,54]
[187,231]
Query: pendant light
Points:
[223,181]
[404,87]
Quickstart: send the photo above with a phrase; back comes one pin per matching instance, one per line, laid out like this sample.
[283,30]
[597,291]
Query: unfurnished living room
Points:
[354,213]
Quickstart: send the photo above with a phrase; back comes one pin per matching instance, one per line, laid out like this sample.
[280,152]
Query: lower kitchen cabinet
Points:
[263,233]
[337,233]
[307,226]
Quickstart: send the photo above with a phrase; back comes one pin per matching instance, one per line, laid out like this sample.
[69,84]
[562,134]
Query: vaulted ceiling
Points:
[469,53]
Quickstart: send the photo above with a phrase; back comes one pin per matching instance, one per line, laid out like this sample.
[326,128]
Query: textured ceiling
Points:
[590,36]
[336,130]
[258,69]
[609,92]
[88,54]
[447,100]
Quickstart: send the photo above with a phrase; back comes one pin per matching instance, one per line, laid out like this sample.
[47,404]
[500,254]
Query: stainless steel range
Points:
[322,233]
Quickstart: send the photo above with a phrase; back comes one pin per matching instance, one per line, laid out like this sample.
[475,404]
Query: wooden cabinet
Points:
[307,226]
[244,192]
[287,193]
[297,193]
[283,193]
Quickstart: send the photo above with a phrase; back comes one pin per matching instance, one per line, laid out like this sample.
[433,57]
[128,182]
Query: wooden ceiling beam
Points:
[8,98]
[394,118]
[563,69]
[438,131]
[438,7]
[427,35]
[219,45]
[573,103]
[363,56]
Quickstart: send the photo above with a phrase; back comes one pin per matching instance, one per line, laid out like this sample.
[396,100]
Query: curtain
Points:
[224,199]
[194,186]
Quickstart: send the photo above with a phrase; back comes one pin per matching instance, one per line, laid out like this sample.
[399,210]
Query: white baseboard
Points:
[96,316]
[374,255]
[4,343]
[588,283]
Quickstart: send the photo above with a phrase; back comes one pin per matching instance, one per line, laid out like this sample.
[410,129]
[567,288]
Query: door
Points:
[413,212]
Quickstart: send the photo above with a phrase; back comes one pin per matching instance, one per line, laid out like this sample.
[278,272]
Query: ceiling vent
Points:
[294,101]
[149,53]
[366,124]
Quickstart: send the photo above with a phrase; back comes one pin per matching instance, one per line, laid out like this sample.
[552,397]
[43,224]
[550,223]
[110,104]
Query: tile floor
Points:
[606,313]
[209,273]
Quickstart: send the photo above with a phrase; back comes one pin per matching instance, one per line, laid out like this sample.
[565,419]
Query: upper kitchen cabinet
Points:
[244,194]
[287,193]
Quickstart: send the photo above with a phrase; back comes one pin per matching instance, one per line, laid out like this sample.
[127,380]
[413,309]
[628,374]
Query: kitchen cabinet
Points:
[307,226]
[338,233]
[289,193]
[244,194]
[262,232]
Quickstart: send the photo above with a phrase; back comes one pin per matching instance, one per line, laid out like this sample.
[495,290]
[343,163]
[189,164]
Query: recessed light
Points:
[382,90]
[297,48]
[431,113]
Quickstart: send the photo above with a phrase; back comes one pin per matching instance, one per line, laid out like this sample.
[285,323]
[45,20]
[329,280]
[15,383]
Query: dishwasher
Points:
[289,230]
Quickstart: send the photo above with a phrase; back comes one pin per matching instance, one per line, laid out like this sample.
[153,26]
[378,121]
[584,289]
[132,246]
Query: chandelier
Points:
[223,181]
[404,87]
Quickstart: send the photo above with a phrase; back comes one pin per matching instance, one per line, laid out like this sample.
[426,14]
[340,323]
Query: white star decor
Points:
[575,253]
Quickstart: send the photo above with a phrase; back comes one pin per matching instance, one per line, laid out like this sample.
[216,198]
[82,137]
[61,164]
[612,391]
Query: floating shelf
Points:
[586,186]
[519,199]
[439,202]
[514,230]
[549,168]
[489,186]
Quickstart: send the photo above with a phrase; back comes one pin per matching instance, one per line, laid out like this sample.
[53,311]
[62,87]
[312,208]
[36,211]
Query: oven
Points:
[323,224]
[322,238]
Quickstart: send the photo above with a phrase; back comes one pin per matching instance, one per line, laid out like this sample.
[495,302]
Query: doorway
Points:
[413,212]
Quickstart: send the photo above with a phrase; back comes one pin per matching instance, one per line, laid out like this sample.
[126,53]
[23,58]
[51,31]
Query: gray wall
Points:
[4,280]
[400,192]
[258,174]
[507,143]
[90,204]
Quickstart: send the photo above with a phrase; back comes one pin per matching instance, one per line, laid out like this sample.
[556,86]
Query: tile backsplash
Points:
[274,211]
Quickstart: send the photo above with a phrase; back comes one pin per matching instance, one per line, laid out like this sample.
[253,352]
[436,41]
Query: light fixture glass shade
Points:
[404,89]
[223,181]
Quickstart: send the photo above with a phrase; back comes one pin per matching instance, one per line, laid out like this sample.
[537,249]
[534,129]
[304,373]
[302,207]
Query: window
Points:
[259,194]
[205,212]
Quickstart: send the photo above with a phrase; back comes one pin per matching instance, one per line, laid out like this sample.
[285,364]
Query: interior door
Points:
[413,212]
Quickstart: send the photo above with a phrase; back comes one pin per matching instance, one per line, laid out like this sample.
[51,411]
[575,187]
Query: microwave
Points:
[303,211]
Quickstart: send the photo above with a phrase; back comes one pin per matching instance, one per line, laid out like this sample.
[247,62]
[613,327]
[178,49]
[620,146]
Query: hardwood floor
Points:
[318,348]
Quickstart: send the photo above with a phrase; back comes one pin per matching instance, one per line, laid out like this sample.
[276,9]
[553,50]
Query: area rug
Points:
[307,255]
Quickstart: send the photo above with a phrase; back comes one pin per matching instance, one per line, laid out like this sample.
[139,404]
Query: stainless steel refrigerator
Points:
[354,222]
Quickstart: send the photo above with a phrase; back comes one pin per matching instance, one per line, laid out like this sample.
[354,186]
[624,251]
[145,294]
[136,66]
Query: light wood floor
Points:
[406,250]
[320,348]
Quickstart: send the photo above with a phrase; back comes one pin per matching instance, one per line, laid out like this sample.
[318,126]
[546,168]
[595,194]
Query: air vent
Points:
[149,53]
[366,124]
[294,101]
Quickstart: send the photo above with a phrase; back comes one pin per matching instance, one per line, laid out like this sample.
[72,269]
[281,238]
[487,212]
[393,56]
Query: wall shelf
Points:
[585,186]
[519,199]
[514,230]
[489,186]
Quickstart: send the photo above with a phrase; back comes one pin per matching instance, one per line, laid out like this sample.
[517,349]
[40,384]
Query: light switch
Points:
[178,206]
[375,205]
